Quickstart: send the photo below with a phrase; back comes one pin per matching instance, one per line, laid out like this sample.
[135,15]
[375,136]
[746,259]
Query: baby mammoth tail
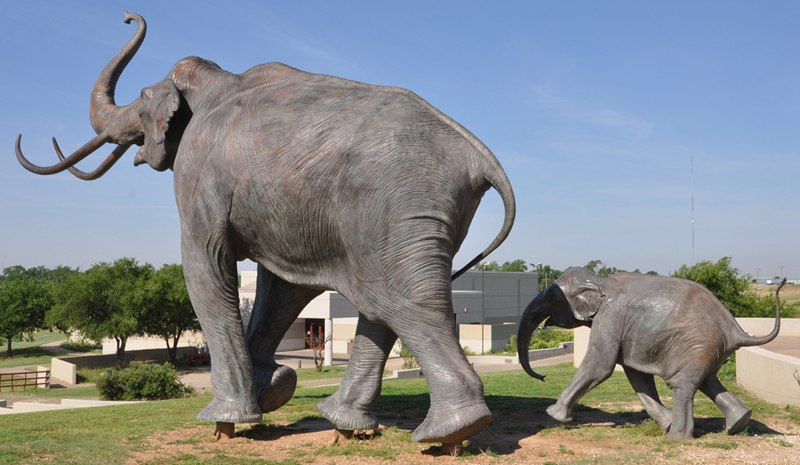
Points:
[748,340]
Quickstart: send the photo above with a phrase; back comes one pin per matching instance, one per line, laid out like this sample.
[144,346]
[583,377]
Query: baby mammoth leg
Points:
[645,388]
[737,415]
[682,426]
[597,366]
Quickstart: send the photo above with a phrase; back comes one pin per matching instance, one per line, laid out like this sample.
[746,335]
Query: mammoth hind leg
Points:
[737,415]
[350,407]
[457,409]
[645,388]
[276,307]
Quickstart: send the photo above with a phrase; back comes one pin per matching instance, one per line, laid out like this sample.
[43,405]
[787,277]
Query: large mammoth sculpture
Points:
[326,184]
[651,325]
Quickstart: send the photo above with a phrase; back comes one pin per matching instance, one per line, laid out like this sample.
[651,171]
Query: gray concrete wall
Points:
[505,294]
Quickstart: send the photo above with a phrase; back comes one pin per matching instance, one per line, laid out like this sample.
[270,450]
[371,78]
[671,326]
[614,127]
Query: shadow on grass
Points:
[515,419]
[263,432]
[704,426]
[26,352]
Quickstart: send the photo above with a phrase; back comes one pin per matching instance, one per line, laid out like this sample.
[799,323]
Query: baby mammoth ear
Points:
[159,104]
[589,297]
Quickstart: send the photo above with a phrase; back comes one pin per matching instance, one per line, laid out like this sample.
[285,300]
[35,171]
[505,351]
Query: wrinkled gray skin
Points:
[327,184]
[651,325]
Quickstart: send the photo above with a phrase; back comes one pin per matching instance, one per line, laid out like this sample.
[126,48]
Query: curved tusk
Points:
[115,155]
[65,163]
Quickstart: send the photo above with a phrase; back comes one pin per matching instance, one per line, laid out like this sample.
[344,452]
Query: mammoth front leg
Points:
[350,407]
[211,280]
[276,307]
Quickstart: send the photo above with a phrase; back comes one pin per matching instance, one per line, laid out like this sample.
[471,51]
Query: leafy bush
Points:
[544,338]
[141,382]
[81,346]
[723,280]
[408,357]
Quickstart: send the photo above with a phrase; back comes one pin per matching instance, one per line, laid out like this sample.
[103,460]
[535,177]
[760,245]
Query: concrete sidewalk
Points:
[200,380]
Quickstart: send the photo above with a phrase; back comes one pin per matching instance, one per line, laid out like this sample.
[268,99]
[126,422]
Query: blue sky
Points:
[595,110]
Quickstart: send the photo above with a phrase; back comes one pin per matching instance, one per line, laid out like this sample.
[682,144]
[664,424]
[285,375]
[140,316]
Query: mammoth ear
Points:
[588,298]
[159,104]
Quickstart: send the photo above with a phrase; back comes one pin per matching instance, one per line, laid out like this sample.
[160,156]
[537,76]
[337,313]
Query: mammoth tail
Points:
[493,175]
[748,340]
[497,179]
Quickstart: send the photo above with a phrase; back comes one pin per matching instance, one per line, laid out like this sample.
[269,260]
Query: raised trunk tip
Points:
[103,106]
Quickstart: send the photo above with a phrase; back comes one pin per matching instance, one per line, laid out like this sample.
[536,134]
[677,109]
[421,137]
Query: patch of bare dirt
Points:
[522,437]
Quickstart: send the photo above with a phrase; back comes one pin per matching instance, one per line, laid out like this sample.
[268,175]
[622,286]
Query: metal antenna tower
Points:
[691,175]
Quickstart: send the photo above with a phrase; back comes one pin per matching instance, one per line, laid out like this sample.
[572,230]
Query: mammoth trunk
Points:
[103,107]
[534,315]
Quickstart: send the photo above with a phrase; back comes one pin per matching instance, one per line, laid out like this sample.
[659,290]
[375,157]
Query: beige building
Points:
[487,306]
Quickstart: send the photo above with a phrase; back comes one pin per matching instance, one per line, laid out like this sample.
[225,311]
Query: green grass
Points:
[26,353]
[87,392]
[112,434]
[25,357]
[305,374]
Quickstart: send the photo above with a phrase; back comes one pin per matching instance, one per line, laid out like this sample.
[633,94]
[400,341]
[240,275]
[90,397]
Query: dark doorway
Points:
[315,333]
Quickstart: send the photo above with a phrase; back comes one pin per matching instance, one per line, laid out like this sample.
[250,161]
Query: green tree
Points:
[24,300]
[487,266]
[106,301]
[547,275]
[733,290]
[168,312]
[515,265]
[603,270]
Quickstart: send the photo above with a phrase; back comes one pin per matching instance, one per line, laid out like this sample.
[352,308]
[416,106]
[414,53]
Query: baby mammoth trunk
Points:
[550,303]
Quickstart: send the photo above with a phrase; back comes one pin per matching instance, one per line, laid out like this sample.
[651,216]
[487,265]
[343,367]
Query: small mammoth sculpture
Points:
[650,325]
[325,183]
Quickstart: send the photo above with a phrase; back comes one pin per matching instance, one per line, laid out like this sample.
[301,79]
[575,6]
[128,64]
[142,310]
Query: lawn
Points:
[28,352]
[609,416]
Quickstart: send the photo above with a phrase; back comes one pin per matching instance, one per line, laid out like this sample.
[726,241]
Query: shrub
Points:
[723,280]
[545,337]
[407,356]
[81,346]
[141,382]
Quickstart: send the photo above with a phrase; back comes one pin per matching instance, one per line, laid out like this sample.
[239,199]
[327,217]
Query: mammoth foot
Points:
[230,412]
[278,391]
[559,414]
[737,420]
[453,426]
[346,416]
